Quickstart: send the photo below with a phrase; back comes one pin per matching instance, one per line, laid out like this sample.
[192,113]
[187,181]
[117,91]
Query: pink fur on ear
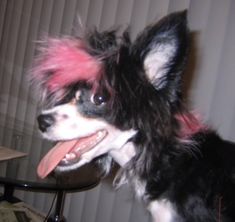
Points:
[63,62]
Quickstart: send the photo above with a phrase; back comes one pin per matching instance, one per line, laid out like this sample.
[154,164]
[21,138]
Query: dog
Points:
[110,99]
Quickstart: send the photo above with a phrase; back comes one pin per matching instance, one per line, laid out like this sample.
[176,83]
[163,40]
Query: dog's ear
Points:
[161,50]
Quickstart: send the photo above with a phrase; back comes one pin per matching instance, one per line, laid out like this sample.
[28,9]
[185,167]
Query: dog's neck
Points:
[123,155]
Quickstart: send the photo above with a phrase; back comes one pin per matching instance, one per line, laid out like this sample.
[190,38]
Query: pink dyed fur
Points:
[189,124]
[63,62]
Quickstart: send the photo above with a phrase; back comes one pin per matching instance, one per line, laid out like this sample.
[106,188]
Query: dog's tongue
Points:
[54,156]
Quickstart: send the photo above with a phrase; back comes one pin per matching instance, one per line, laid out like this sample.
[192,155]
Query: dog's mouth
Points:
[68,152]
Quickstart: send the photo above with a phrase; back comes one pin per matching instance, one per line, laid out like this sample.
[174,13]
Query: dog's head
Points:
[108,94]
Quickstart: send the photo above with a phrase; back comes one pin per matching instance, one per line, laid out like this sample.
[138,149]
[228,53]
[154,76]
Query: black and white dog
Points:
[117,100]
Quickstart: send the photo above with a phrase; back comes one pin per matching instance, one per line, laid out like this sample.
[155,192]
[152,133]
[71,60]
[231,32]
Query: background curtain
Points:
[210,79]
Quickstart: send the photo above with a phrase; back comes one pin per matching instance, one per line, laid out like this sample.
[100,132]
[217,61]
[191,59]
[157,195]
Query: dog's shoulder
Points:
[215,150]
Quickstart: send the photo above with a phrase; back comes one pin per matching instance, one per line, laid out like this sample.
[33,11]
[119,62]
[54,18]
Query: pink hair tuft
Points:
[189,124]
[63,62]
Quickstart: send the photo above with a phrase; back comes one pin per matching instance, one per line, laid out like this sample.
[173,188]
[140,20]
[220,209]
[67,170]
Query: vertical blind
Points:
[210,79]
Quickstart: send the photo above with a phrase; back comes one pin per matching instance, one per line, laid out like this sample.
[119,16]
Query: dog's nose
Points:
[45,121]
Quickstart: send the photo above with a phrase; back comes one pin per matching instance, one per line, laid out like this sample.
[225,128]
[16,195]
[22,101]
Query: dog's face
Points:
[107,93]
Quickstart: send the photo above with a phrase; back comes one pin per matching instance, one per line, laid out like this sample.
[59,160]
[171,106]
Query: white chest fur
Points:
[161,211]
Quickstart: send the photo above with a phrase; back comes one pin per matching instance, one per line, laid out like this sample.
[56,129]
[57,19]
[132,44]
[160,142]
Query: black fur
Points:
[196,176]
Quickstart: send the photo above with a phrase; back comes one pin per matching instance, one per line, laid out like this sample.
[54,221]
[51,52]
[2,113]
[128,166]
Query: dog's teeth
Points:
[99,134]
[78,149]
[83,146]
[70,156]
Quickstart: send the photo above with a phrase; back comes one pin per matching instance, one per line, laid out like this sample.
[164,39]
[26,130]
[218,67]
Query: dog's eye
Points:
[98,99]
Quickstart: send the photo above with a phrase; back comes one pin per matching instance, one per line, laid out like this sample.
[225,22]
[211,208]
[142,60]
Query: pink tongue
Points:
[54,156]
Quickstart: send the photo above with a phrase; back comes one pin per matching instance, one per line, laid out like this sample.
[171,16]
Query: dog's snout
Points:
[45,121]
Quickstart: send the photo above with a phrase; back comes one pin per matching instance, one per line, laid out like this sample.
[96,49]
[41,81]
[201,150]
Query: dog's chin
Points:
[66,166]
